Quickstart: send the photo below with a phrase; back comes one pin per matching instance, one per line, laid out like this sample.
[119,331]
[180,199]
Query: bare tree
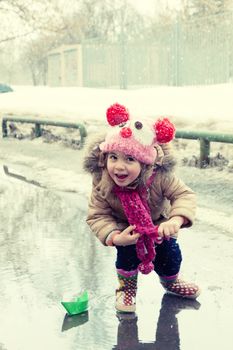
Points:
[22,18]
[203,8]
[102,20]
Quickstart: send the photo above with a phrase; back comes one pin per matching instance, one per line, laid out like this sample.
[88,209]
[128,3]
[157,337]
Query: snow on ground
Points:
[205,107]
[194,107]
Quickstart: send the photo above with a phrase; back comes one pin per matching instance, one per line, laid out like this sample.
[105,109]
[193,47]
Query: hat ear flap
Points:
[164,130]
[117,114]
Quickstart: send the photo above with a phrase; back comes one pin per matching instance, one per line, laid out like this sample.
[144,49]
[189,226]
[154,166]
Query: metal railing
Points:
[38,123]
[205,137]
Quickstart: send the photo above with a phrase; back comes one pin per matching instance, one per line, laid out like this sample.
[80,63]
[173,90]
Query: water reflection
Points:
[167,332]
[46,252]
[74,321]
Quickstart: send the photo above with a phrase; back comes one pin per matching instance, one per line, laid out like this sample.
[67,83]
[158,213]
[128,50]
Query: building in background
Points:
[65,66]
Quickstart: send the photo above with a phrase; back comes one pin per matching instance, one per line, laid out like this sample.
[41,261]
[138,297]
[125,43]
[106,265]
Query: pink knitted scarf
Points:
[137,211]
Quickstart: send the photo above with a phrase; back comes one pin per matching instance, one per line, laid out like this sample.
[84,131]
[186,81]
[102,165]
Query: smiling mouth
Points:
[121,177]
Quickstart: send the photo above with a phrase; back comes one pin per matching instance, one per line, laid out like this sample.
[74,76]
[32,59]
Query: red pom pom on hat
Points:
[165,130]
[126,132]
[117,114]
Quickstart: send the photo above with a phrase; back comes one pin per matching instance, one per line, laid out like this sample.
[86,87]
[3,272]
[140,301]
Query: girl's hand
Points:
[126,237]
[171,227]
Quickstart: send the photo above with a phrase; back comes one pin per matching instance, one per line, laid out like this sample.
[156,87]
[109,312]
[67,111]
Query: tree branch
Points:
[16,36]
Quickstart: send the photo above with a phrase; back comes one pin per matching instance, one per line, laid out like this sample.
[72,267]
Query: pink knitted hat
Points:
[134,137]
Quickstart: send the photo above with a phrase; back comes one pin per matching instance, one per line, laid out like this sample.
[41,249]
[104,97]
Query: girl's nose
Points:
[120,164]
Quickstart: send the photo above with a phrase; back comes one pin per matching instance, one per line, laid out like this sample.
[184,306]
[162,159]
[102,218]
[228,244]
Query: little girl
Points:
[138,205]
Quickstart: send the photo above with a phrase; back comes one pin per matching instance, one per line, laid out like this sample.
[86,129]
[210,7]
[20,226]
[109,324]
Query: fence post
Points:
[177,36]
[38,131]
[4,128]
[204,152]
[123,62]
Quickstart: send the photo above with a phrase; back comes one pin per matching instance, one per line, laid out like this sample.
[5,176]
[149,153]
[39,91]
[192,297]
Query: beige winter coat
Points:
[168,196]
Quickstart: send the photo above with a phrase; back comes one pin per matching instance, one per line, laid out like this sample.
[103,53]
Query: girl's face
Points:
[123,169]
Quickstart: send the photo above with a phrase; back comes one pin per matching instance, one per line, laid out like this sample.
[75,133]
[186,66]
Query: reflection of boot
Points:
[167,334]
[175,304]
[126,293]
[127,336]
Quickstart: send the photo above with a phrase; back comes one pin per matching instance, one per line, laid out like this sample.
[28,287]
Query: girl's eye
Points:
[112,156]
[130,159]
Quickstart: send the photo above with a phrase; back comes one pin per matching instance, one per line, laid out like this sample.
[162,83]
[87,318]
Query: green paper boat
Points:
[78,306]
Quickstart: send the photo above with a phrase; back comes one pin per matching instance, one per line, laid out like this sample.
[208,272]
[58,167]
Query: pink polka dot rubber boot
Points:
[126,294]
[181,288]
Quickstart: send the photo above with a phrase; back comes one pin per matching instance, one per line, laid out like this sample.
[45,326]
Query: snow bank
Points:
[202,107]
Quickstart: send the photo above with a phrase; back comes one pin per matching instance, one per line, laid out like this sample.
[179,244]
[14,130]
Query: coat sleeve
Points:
[100,218]
[181,197]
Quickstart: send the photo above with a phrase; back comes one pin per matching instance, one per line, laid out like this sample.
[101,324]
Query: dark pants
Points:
[167,260]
